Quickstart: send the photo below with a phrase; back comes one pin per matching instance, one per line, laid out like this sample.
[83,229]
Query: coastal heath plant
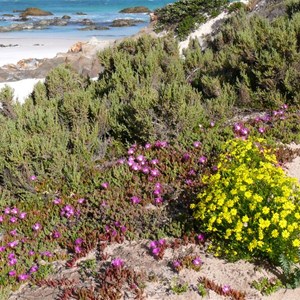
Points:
[250,206]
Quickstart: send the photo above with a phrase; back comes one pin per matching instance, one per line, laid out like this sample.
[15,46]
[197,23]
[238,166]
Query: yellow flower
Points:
[274,233]
[248,194]
[245,219]
[243,188]
[285,234]
[275,218]
[265,210]
[296,243]
[258,198]
[283,223]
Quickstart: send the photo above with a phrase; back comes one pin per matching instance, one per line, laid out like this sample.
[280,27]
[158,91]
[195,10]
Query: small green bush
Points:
[250,205]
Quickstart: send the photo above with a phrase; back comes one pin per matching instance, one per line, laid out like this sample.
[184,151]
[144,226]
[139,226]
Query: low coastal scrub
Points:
[183,16]
[84,164]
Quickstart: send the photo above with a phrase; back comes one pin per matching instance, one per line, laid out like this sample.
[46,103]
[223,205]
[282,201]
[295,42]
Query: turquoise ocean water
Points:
[101,11]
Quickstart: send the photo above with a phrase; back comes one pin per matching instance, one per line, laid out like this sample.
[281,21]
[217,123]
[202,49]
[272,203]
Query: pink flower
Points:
[158,200]
[197,144]
[46,253]
[226,288]
[201,237]
[140,158]
[176,264]
[12,262]
[33,269]
[23,277]
[13,220]
[131,151]
[77,249]
[146,170]
[31,253]
[14,211]
[56,234]
[2,248]
[161,242]
[33,178]
[212,124]
[22,215]
[155,251]
[1,219]
[157,192]
[261,130]
[117,263]
[153,244]
[135,200]
[13,244]
[36,226]
[197,261]
[105,185]
[121,161]
[123,228]
[13,232]
[148,146]
[78,241]
[81,200]
[57,201]
[12,273]
[135,167]
[7,210]
[154,161]
[186,157]
[11,255]
[154,172]
[202,159]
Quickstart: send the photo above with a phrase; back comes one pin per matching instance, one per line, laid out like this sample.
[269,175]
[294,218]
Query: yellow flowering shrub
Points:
[250,205]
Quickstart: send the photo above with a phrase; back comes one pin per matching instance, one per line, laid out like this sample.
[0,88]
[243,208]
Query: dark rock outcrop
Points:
[65,17]
[81,13]
[94,27]
[34,11]
[135,10]
[125,22]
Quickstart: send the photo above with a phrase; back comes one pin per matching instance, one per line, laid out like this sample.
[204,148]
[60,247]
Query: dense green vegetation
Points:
[184,15]
[125,156]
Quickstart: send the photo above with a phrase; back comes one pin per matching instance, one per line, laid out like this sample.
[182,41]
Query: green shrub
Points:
[292,7]
[250,205]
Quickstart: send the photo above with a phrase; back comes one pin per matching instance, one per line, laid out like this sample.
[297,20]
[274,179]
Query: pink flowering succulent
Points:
[105,185]
[117,263]
[36,226]
[135,200]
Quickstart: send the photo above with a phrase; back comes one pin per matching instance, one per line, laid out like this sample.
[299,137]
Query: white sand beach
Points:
[32,48]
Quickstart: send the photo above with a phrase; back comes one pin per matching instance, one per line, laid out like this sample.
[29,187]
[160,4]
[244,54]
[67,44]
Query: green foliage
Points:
[257,58]
[291,272]
[292,7]
[145,90]
[267,286]
[179,287]
[184,15]
[241,207]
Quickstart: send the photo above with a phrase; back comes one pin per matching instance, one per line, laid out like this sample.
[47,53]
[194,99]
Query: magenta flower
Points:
[158,200]
[135,167]
[135,200]
[140,158]
[57,201]
[202,159]
[186,157]
[13,220]
[13,244]
[212,124]
[162,242]
[121,161]
[226,288]
[117,263]
[105,185]
[22,215]
[23,277]
[12,262]
[14,211]
[148,146]
[188,181]
[7,210]
[261,129]
[154,172]
[81,200]
[1,219]
[154,161]
[33,269]
[11,255]
[78,241]
[192,172]
[146,170]
[197,144]
[31,253]
[56,234]
[155,251]
[176,264]
[13,232]
[157,192]
[46,253]
[130,151]
[244,131]
[237,127]
[12,273]
[123,229]
[2,248]
[201,237]
[197,262]
[153,244]
[77,249]
[36,226]
[33,177]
